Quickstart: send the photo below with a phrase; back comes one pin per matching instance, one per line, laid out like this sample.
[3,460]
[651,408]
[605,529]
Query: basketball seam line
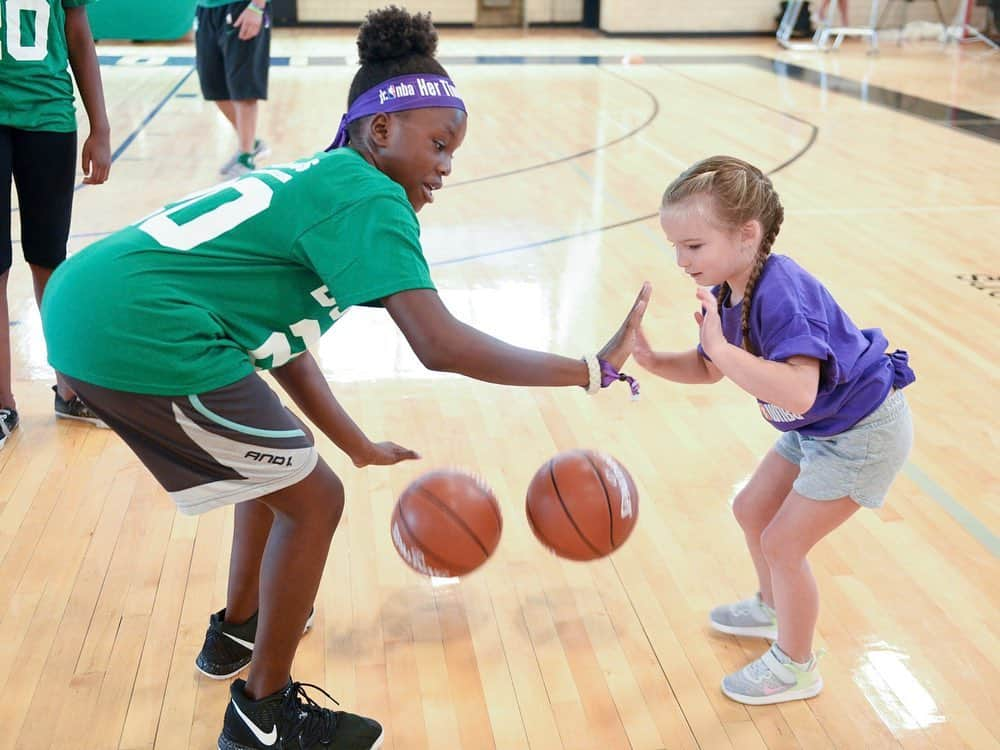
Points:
[417,540]
[444,506]
[607,499]
[552,476]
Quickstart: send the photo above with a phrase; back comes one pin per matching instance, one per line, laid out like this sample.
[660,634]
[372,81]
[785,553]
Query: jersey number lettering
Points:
[279,346]
[254,197]
[38,11]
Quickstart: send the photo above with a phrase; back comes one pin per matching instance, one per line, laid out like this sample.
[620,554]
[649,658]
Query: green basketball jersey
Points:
[244,275]
[36,92]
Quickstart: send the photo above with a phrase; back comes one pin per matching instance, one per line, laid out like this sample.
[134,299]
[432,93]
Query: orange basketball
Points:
[446,523]
[582,505]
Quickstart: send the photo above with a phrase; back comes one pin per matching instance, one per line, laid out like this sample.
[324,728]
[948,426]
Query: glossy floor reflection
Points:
[542,237]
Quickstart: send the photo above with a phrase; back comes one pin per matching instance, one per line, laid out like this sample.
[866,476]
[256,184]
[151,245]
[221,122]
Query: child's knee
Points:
[748,514]
[317,501]
[779,547]
[330,499]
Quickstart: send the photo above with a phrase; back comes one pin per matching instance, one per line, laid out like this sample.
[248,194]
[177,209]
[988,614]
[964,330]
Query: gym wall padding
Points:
[139,20]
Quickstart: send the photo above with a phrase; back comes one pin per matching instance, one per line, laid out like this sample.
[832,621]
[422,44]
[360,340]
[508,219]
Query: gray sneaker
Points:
[773,678]
[260,148]
[750,617]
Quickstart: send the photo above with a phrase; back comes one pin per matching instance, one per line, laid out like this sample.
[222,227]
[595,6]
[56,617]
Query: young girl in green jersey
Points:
[38,152]
[246,275]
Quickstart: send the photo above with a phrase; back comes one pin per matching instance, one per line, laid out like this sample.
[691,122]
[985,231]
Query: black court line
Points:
[655,111]
[926,109]
[968,121]
[813,135]
[973,123]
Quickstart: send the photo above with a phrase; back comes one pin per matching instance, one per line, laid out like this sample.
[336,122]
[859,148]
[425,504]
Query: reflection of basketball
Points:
[446,523]
[582,505]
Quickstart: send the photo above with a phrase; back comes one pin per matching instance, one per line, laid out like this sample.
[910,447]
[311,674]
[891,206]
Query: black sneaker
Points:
[228,648]
[74,408]
[291,719]
[8,423]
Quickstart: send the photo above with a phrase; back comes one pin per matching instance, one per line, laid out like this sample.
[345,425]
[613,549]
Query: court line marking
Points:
[132,136]
[635,131]
[959,513]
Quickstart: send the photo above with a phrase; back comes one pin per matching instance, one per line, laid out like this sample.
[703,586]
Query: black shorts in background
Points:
[42,166]
[230,69]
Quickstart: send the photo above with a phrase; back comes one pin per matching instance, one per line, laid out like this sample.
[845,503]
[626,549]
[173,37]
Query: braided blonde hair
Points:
[739,193]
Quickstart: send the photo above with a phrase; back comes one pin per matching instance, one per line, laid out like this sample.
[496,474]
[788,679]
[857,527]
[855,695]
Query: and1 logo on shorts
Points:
[36,92]
[244,275]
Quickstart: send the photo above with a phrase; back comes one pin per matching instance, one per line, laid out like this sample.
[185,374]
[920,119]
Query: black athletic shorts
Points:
[230,69]
[217,448]
[43,168]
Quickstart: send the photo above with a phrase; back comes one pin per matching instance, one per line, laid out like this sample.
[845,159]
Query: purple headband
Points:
[415,91]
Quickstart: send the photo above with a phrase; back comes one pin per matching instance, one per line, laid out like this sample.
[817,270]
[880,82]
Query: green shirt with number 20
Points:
[244,275]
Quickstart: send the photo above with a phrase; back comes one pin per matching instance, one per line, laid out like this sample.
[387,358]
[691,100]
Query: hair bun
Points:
[391,32]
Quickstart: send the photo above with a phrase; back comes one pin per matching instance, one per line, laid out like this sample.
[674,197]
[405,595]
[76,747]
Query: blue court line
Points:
[132,136]
[961,515]
[148,118]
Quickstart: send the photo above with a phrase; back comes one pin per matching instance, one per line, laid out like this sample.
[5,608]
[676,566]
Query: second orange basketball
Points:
[582,505]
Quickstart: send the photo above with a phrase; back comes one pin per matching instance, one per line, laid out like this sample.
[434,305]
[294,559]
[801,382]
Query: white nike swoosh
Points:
[244,644]
[265,739]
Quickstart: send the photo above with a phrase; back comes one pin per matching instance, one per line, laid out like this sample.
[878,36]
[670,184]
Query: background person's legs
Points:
[246,124]
[44,172]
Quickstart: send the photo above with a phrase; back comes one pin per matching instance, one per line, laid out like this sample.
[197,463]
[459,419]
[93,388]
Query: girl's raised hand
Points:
[643,352]
[618,349]
[709,322]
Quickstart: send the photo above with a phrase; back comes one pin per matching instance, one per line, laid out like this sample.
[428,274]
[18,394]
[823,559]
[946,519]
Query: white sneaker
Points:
[749,617]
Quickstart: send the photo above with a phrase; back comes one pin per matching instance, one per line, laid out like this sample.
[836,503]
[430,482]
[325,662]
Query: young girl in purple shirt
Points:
[830,388]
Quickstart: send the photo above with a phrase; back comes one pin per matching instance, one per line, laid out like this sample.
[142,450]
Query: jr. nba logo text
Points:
[421,86]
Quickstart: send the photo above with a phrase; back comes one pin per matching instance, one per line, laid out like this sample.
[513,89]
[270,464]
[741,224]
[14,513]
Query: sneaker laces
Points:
[757,671]
[313,723]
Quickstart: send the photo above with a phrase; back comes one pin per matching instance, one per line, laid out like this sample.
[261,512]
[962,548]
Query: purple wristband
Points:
[610,375]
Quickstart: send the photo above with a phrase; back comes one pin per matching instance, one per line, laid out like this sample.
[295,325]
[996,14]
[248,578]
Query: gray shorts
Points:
[859,463]
[217,448]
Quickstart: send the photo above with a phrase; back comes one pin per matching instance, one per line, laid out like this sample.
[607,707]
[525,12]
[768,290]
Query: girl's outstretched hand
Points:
[642,353]
[709,322]
[384,454]
[618,349]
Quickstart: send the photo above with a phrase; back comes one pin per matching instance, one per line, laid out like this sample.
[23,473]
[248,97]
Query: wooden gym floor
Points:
[888,168]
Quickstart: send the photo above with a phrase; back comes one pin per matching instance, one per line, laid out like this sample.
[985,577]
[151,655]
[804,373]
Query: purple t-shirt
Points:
[792,314]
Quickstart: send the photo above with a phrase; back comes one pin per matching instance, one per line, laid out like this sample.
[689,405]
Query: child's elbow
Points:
[802,403]
[436,356]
